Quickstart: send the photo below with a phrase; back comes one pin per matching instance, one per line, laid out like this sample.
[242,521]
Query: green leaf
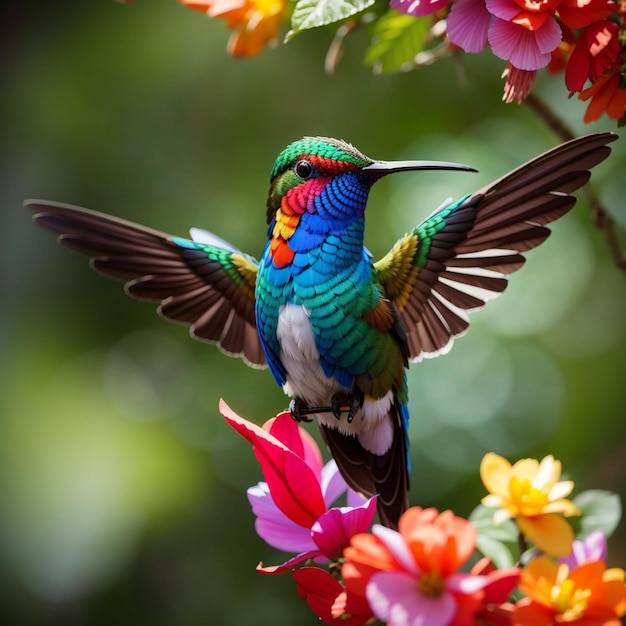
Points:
[396,39]
[499,543]
[599,510]
[313,13]
[499,553]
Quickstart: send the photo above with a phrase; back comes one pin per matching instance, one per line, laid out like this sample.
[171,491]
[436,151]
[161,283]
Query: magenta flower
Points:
[292,505]
[419,8]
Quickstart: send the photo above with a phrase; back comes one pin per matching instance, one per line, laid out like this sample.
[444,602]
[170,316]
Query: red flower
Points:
[581,13]
[607,96]
[596,51]
[495,609]
[329,599]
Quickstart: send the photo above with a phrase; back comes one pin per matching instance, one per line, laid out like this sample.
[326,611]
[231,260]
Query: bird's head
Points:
[332,178]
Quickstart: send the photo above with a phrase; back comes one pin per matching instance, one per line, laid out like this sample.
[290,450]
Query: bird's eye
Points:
[303,170]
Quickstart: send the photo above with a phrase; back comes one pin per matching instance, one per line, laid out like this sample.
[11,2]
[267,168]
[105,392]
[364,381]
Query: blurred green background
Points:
[122,490]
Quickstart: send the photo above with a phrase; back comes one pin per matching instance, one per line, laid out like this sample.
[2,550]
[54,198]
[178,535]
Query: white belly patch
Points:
[307,381]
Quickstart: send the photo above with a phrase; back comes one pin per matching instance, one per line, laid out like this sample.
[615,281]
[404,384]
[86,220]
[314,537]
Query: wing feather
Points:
[208,284]
[460,256]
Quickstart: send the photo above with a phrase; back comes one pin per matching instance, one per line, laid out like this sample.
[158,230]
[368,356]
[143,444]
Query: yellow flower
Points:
[589,594]
[255,23]
[530,493]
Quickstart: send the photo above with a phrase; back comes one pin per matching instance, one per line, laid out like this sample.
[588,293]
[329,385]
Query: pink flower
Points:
[527,36]
[292,506]
[419,7]
[468,24]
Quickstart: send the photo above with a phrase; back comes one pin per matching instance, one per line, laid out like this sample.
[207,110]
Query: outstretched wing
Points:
[206,284]
[459,257]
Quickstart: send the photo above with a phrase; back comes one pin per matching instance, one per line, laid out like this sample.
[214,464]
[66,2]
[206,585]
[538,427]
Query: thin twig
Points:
[600,216]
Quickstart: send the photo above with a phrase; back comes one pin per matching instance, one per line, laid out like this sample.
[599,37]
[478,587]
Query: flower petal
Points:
[494,472]
[591,548]
[549,532]
[397,546]
[504,9]
[286,429]
[525,49]
[548,473]
[293,484]
[394,598]
[287,565]
[560,490]
[466,583]
[329,600]
[332,483]
[274,527]
[333,530]
[468,23]
[418,7]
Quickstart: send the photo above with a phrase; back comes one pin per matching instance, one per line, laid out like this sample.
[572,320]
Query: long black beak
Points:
[382,168]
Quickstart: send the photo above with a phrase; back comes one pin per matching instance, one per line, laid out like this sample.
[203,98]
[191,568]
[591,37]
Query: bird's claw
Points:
[353,400]
[299,409]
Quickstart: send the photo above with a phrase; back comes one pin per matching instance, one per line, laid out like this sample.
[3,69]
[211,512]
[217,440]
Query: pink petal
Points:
[354,498]
[504,9]
[333,530]
[418,7]
[274,527]
[591,548]
[525,49]
[287,565]
[332,483]
[548,36]
[466,583]
[394,598]
[293,484]
[468,23]
[396,544]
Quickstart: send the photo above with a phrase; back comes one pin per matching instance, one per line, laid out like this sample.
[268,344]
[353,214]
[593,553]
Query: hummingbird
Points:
[336,329]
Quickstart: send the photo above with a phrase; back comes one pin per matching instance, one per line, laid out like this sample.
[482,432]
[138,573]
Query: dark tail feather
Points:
[370,474]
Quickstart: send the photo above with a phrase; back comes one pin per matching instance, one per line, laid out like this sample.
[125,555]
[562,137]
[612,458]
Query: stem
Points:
[523,546]
[599,215]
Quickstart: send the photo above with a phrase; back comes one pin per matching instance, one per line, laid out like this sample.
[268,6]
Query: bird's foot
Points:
[353,401]
[299,410]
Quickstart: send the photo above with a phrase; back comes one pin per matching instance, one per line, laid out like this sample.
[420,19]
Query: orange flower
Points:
[588,595]
[411,576]
[530,492]
[255,23]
